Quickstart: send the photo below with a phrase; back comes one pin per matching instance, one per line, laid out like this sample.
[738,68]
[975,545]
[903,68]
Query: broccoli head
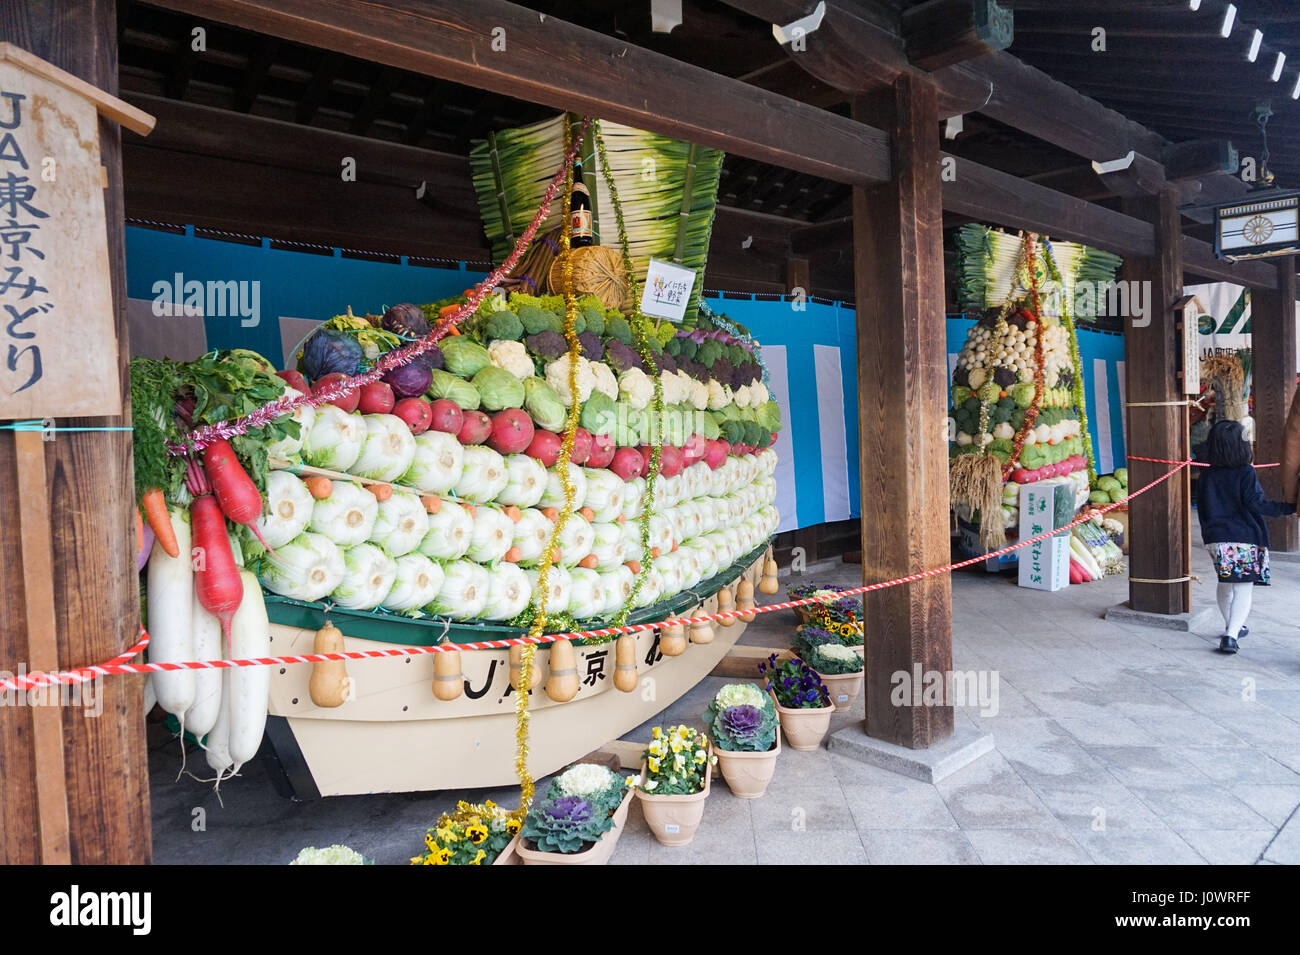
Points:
[538,320]
[616,327]
[592,349]
[548,344]
[594,316]
[503,325]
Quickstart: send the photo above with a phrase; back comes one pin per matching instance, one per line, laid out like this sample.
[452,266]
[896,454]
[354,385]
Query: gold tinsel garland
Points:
[538,625]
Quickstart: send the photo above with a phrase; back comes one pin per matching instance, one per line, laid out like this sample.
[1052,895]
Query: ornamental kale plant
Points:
[601,787]
[809,638]
[795,684]
[741,722]
[831,659]
[567,824]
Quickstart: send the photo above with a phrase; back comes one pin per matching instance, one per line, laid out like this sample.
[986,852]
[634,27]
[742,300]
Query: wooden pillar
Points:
[902,411]
[1159,520]
[100,784]
[1273,366]
[798,275]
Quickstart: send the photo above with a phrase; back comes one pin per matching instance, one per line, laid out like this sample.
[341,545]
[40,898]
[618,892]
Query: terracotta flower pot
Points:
[674,819]
[843,687]
[598,853]
[804,728]
[748,773]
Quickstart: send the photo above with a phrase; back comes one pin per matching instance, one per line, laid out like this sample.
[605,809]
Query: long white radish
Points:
[150,695]
[202,715]
[218,741]
[171,618]
[250,687]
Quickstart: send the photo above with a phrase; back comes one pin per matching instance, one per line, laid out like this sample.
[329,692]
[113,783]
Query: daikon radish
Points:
[150,697]
[171,618]
[217,744]
[250,687]
[202,714]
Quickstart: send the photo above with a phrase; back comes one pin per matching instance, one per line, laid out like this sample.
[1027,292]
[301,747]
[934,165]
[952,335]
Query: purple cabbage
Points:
[409,380]
[329,352]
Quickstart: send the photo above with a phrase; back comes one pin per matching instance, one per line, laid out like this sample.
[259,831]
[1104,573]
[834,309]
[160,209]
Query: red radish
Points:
[645,451]
[447,416]
[475,429]
[545,447]
[627,463]
[1021,476]
[295,379]
[236,493]
[216,579]
[512,431]
[376,398]
[602,451]
[693,449]
[671,461]
[715,453]
[348,402]
[416,413]
[582,445]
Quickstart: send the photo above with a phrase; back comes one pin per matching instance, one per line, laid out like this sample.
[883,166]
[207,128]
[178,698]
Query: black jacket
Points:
[1232,507]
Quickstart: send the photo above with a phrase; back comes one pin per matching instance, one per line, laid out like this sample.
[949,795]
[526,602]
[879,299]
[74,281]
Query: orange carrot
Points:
[634,566]
[587,513]
[513,513]
[550,513]
[622,518]
[432,503]
[382,492]
[654,551]
[155,512]
[139,531]
[513,555]
[320,487]
[591,562]
[448,310]
[469,507]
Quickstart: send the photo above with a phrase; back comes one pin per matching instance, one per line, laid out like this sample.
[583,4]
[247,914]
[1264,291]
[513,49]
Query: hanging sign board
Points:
[667,290]
[1259,228]
[58,346]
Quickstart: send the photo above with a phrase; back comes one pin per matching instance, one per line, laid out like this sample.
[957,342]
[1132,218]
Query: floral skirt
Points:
[1240,563]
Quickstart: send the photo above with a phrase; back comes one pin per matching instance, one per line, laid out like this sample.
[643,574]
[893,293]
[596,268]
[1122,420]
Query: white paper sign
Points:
[666,290]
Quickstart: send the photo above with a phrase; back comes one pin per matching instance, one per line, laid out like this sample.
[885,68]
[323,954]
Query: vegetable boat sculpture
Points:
[416,510]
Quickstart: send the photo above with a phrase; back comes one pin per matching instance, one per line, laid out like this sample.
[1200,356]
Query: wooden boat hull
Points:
[395,736]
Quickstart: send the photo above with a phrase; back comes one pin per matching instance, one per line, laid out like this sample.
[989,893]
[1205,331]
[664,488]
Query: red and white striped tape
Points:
[1195,464]
[118,665]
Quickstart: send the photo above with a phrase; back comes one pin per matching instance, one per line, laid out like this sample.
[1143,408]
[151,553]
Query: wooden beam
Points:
[1199,260]
[939,33]
[92,543]
[798,276]
[565,66]
[902,364]
[1159,557]
[1273,336]
[1133,175]
[988,195]
[1029,100]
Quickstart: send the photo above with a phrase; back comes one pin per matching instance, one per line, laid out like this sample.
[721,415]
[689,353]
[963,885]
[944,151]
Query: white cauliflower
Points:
[557,376]
[512,356]
[699,395]
[685,385]
[635,387]
[742,396]
[719,395]
[671,388]
[758,394]
[606,382]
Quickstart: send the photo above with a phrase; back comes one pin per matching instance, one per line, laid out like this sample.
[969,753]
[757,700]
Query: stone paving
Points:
[1114,744]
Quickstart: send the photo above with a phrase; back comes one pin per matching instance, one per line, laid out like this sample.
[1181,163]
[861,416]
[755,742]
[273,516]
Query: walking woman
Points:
[1232,508]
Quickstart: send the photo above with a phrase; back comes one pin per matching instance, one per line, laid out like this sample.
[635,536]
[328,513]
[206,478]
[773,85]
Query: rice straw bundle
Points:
[976,481]
[1226,375]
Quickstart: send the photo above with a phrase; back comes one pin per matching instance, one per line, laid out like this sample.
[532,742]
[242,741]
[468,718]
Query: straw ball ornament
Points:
[597,270]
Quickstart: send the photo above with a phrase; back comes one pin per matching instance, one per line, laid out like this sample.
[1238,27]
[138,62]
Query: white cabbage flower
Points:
[512,356]
[606,382]
[557,376]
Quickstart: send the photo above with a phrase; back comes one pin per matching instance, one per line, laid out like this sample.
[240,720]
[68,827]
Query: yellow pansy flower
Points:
[512,826]
[476,833]
[656,732]
[478,859]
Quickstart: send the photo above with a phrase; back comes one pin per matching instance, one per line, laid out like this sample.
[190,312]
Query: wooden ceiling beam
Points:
[565,66]
[317,88]
[939,33]
[258,65]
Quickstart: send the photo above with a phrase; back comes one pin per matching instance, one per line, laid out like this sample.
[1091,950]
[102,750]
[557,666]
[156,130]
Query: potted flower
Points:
[803,703]
[330,855]
[579,821]
[838,615]
[746,739]
[674,783]
[839,667]
[472,834]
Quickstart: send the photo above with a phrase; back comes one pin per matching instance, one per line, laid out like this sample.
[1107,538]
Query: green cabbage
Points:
[599,414]
[463,356]
[498,389]
[447,385]
[544,405]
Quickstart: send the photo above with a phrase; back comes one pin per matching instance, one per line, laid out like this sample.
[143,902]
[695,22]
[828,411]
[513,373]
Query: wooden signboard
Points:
[58,350]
